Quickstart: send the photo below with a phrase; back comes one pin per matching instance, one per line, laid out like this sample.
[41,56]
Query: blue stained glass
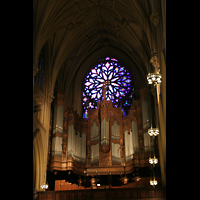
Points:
[93,75]
[122,89]
[98,95]
[91,80]
[111,73]
[104,68]
[93,91]
[124,84]
[110,68]
[93,96]
[94,71]
[114,84]
[121,69]
[117,95]
[101,85]
[114,59]
[114,79]
[128,81]
[85,99]
[91,86]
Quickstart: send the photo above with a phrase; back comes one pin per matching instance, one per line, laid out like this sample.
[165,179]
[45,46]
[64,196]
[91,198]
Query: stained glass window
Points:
[39,77]
[118,82]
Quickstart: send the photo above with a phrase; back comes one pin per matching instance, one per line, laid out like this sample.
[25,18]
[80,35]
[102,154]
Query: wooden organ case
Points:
[106,141]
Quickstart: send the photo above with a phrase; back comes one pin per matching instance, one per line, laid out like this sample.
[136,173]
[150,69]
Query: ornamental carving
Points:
[50,96]
[104,109]
[60,99]
[35,69]
[64,147]
[105,159]
[154,60]
[155,17]
[38,98]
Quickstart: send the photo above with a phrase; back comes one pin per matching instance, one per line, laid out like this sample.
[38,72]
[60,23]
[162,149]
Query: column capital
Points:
[50,96]
[154,60]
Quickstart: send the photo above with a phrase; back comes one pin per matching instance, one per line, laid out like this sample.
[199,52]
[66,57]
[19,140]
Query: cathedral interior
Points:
[99,99]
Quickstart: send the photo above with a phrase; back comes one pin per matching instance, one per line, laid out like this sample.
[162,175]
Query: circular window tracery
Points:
[118,82]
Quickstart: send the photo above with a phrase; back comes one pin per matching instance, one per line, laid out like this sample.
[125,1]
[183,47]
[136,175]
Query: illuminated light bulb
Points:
[154,78]
[153,131]
[153,182]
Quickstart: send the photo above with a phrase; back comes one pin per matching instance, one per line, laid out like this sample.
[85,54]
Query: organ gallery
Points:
[105,141]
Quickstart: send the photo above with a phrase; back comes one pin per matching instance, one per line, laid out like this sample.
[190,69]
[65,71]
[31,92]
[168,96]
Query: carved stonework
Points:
[50,96]
[105,159]
[155,17]
[127,124]
[60,99]
[105,148]
[64,147]
[35,69]
[154,60]
[38,98]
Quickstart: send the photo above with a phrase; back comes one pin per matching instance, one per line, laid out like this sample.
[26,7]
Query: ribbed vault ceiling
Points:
[77,32]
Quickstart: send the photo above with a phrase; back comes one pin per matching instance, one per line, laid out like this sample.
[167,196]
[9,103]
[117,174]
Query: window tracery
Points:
[118,82]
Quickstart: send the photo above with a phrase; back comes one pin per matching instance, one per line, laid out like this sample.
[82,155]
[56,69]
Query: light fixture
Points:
[153,182]
[153,131]
[44,186]
[153,160]
[154,78]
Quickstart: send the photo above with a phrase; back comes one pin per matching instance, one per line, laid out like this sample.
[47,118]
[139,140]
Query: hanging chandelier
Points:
[44,186]
[153,182]
[153,131]
[153,160]
[154,78]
